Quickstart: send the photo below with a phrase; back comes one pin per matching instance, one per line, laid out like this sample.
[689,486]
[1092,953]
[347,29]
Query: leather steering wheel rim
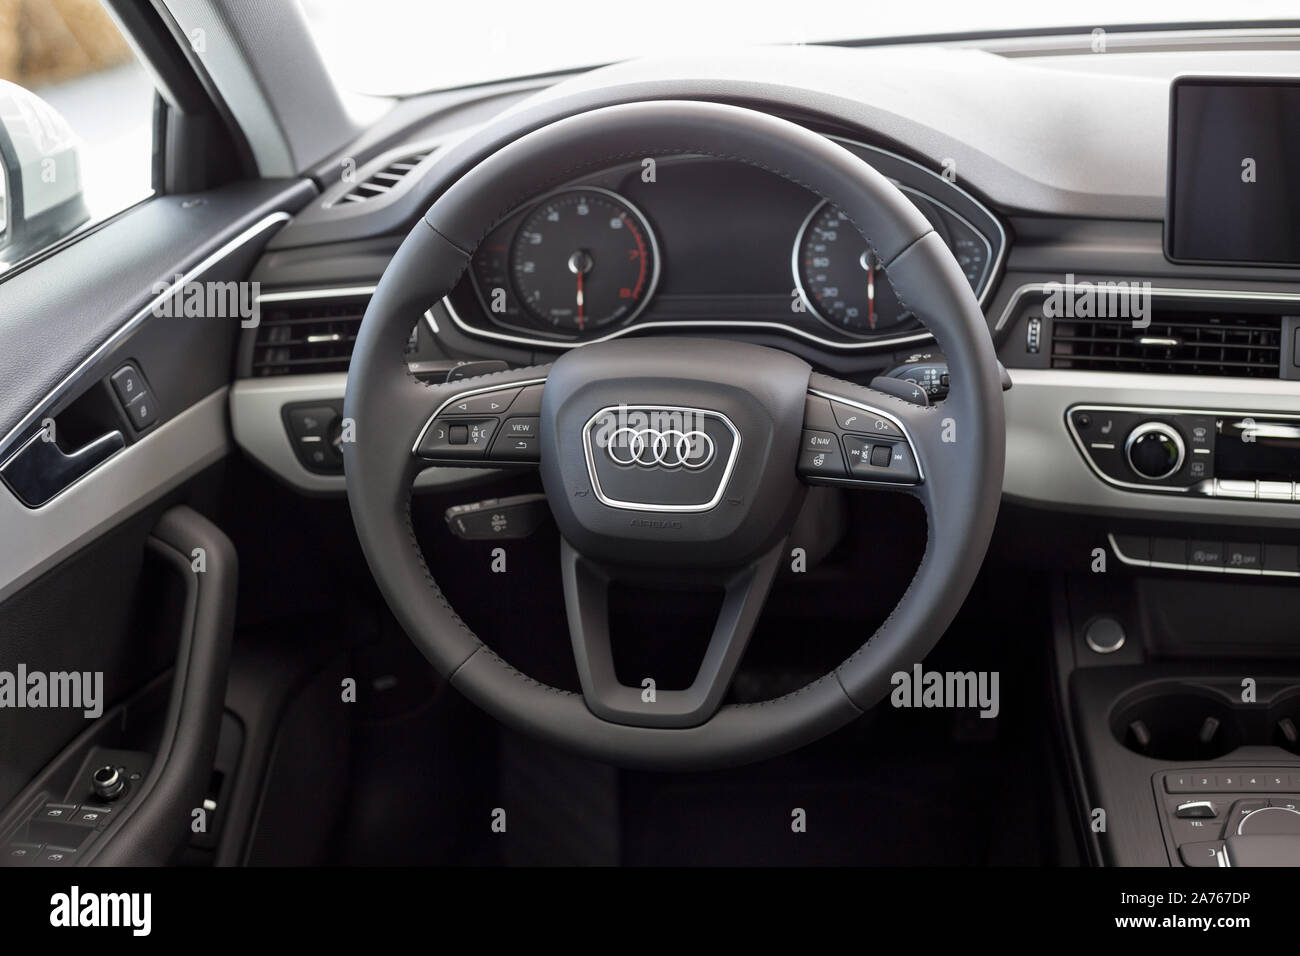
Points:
[960,443]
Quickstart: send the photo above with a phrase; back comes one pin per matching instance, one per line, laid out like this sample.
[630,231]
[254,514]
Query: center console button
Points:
[1282,557]
[1244,558]
[1205,554]
[1169,551]
[1196,810]
[1231,488]
[1274,490]
[1203,854]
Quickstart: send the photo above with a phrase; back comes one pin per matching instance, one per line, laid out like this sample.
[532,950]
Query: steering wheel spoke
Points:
[586,597]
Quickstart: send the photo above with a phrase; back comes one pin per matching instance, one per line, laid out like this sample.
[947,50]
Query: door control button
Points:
[20,854]
[127,383]
[142,410]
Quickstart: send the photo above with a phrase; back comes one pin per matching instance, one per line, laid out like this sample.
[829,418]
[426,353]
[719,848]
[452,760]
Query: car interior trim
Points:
[74,378]
[1172,292]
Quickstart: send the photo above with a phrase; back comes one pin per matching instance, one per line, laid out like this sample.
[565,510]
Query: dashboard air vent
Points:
[301,336]
[384,180]
[1177,342]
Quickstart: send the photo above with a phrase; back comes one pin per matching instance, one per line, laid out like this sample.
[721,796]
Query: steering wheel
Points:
[672,462]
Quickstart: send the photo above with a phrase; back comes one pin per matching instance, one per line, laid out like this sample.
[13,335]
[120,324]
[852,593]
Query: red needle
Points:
[871,295]
[581,321]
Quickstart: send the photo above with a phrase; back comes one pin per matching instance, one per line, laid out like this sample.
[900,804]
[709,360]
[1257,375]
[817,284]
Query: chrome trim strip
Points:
[335,293]
[1243,295]
[907,436]
[71,379]
[647,506]
[668,324]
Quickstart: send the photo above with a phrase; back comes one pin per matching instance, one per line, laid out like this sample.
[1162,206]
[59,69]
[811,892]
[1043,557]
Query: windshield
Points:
[408,46]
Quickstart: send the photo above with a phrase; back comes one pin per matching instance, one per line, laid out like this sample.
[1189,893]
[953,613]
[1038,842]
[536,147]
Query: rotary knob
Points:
[1155,450]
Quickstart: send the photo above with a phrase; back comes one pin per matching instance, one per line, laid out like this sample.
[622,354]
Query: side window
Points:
[76,131]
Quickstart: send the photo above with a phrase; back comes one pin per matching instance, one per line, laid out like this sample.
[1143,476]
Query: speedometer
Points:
[582,259]
[840,280]
[839,277]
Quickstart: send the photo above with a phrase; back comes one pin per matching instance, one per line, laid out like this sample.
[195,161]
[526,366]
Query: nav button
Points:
[819,457]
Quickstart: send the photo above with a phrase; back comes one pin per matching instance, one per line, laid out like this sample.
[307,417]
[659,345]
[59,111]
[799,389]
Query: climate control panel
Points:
[1199,452]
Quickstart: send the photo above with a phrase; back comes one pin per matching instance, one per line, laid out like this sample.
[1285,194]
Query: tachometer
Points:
[583,258]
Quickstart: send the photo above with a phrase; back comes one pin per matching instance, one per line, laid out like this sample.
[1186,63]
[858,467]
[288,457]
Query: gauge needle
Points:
[579,265]
[869,263]
[581,320]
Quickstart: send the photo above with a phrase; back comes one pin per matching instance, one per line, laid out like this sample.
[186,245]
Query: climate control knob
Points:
[1154,450]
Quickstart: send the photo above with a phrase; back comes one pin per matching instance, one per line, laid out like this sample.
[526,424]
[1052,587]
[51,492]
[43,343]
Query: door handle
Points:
[40,469]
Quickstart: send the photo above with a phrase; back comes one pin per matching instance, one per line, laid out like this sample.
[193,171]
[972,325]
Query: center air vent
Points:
[383,180]
[300,336]
[1177,342]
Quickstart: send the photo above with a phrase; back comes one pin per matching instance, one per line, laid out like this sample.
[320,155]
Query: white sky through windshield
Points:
[405,46]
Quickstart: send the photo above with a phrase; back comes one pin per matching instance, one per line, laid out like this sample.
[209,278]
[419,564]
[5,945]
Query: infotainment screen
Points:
[1234,171]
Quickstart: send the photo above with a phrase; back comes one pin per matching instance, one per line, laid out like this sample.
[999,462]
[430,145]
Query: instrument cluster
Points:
[696,242]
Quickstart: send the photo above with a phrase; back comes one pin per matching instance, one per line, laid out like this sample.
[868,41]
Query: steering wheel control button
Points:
[818,457]
[458,438]
[521,428]
[487,403]
[817,414]
[893,462]
[856,420]
[1154,450]
[528,401]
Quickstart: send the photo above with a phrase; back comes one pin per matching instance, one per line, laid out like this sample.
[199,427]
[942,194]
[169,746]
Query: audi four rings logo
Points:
[669,448]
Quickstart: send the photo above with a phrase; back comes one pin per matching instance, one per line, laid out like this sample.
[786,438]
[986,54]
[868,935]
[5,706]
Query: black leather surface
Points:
[389,408]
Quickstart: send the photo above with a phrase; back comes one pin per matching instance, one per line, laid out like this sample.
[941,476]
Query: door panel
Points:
[77,593]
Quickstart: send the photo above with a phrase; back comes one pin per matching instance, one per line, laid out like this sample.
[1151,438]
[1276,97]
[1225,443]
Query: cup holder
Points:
[1182,725]
[1284,723]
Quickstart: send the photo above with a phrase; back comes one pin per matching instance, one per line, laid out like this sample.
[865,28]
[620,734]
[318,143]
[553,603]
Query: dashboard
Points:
[984,142]
[693,242]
